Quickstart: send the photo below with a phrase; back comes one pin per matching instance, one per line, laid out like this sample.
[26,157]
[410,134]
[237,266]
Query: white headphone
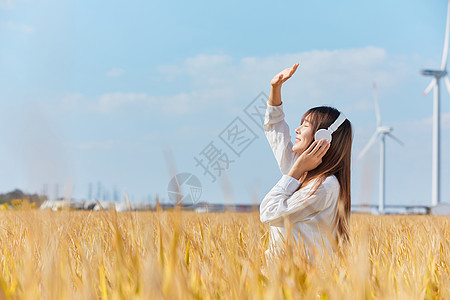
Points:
[326,133]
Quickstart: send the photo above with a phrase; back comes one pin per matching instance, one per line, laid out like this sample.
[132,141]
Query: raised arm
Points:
[279,138]
[277,82]
[275,128]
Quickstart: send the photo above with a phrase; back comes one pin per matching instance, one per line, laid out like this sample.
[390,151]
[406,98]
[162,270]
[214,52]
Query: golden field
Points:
[185,255]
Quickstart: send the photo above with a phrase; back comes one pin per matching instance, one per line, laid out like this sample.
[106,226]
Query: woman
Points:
[312,198]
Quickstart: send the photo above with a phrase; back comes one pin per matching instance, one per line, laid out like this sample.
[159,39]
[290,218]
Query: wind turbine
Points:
[381,132]
[437,74]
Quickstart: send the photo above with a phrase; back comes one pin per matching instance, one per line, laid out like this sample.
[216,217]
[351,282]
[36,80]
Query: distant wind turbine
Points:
[381,132]
[437,74]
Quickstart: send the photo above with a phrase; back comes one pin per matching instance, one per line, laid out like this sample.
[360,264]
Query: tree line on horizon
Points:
[18,194]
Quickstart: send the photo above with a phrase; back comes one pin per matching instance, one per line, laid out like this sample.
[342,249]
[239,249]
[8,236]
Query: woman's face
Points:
[304,136]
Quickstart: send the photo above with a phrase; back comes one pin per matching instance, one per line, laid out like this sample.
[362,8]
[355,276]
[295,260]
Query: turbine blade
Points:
[377,107]
[429,87]
[445,52]
[367,147]
[447,83]
[395,139]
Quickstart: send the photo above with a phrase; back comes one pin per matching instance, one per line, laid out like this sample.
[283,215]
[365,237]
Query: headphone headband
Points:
[333,127]
[326,133]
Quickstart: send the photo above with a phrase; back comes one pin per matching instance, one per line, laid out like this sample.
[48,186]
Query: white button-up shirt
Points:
[311,217]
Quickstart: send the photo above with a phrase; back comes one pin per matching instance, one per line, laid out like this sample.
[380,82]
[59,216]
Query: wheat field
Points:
[186,255]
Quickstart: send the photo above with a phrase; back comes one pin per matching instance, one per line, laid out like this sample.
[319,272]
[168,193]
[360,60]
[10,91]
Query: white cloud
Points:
[108,103]
[185,103]
[104,104]
[21,28]
[115,72]
[339,77]
[178,104]
[323,76]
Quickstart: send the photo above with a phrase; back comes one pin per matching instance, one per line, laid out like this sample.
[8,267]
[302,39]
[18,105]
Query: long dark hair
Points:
[337,161]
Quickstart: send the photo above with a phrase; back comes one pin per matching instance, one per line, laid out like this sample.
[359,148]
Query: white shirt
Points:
[312,217]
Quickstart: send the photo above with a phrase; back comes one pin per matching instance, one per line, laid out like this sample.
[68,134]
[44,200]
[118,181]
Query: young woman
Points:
[312,198]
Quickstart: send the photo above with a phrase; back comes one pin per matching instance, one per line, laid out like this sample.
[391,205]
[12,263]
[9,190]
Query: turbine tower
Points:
[437,74]
[381,132]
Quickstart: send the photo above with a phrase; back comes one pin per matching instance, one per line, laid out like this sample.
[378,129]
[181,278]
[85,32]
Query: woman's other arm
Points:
[281,202]
[275,204]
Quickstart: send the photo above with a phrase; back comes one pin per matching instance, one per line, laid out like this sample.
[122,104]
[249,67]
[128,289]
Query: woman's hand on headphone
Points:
[310,159]
[284,75]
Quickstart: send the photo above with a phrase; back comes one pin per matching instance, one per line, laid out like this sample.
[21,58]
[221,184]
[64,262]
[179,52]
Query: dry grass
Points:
[184,255]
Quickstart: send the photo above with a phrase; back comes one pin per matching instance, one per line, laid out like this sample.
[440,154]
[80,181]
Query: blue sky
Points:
[98,91]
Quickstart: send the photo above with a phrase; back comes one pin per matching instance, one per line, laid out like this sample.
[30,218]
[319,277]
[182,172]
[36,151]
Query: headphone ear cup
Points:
[323,134]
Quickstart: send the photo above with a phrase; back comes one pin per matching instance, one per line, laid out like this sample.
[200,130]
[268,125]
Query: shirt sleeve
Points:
[282,202]
[277,133]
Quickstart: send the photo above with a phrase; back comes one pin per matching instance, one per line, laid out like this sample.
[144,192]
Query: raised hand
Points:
[284,75]
[310,159]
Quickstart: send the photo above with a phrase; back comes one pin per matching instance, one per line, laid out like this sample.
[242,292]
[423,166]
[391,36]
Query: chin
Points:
[300,147]
[299,151]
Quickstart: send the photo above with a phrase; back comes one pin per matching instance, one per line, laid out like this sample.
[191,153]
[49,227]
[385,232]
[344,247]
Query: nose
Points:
[297,130]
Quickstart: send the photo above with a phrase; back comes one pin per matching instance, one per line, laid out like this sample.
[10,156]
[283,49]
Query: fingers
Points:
[294,68]
[288,72]
[311,147]
[284,75]
[319,145]
[323,148]
[319,148]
